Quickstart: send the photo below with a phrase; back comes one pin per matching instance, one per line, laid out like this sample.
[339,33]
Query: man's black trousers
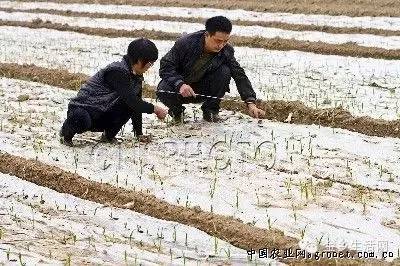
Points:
[214,84]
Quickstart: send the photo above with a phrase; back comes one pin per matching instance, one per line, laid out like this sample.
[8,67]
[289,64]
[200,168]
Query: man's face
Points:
[141,68]
[214,43]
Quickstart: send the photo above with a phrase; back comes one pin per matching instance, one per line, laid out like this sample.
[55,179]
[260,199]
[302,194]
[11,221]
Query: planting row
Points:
[362,86]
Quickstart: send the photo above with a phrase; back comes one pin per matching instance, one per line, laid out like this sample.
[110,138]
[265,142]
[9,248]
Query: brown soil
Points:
[355,8]
[270,24]
[53,77]
[347,49]
[232,230]
[330,117]
[357,186]
[39,24]
[276,110]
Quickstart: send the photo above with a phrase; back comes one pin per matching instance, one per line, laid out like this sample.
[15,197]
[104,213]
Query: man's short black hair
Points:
[218,23]
[142,49]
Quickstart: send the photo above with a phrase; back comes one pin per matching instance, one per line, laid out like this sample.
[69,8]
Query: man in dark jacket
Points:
[112,96]
[203,63]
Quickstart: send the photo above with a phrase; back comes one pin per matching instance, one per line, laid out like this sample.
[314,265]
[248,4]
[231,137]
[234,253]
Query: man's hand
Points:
[254,111]
[161,113]
[186,91]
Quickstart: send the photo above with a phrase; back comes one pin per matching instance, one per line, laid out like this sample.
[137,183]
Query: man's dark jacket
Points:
[113,83]
[176,65]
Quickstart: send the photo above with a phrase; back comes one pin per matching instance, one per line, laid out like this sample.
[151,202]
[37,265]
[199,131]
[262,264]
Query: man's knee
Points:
[163,86]
[166,94]
[162,89]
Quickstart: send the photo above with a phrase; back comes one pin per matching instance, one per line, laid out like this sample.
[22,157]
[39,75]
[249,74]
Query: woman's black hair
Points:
[142,49]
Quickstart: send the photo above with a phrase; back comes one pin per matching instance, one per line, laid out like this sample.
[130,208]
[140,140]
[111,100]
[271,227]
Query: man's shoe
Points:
[211,117]
[177,119]
[105,139]
[64,140]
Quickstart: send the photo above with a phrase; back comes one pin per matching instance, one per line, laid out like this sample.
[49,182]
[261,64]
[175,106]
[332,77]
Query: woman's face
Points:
[139,68]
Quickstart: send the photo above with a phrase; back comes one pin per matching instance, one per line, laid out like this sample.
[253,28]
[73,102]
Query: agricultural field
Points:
[320,173]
